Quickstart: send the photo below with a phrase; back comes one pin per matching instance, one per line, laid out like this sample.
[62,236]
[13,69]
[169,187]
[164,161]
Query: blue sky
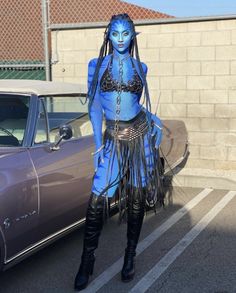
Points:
[187,8]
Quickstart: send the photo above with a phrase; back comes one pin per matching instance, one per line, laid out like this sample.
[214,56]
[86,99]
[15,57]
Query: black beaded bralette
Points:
[108,84]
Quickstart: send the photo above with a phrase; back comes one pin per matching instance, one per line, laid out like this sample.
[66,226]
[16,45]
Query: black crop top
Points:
[108,84]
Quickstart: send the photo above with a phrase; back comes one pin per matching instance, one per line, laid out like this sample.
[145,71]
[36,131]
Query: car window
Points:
[13,118]
[41,134]
[70,110]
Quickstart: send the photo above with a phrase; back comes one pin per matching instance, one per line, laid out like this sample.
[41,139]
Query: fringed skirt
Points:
[131,164]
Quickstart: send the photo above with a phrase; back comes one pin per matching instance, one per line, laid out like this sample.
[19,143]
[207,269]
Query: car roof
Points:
[40,88]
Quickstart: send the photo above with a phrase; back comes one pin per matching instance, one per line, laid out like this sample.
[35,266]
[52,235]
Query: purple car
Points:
[46,166]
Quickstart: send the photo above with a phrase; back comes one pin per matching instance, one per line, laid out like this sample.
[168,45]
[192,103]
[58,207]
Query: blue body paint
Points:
[105,103]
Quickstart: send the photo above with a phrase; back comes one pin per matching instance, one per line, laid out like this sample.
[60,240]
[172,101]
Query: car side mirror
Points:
[65,132]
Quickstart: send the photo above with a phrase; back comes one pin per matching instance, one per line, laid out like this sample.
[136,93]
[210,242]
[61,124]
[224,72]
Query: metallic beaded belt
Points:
[128,130]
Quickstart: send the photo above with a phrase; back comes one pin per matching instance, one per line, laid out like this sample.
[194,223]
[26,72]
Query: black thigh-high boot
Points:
[136,207]
[93,227]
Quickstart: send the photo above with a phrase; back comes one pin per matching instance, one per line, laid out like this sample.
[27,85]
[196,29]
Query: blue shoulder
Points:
[144,66]
[92,63]
[91,69]
[92,66]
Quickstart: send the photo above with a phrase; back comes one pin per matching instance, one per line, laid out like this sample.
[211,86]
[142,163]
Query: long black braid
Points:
[107,48]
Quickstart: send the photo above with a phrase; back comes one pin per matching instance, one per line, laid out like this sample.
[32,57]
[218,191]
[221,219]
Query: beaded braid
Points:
[102,54]
[107,46]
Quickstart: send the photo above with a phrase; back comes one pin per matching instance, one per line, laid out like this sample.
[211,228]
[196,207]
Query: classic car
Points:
[46,165]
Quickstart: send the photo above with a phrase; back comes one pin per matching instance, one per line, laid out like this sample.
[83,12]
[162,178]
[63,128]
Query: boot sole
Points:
[80,288]
[127,280]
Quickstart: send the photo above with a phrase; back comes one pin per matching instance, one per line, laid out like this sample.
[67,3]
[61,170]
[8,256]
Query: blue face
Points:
[121,35]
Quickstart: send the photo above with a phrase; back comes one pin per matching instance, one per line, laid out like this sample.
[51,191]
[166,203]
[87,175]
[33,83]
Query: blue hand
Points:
[98,158]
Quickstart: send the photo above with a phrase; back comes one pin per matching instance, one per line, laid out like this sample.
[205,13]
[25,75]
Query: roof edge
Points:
[88,25]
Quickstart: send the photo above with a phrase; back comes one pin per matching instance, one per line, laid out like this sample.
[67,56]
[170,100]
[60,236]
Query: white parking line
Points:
[146,282]
[114,269]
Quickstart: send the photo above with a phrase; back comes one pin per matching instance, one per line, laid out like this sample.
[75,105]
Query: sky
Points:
[189,8]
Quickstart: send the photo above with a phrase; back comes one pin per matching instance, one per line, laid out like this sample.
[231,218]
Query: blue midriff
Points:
[129,106]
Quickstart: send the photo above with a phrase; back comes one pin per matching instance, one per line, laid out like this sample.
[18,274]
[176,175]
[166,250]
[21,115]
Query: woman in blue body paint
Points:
[126,156]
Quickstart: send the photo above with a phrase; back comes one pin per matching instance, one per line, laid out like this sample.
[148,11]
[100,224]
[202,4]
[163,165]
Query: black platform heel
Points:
[93,227]
[85,270]
[128,270]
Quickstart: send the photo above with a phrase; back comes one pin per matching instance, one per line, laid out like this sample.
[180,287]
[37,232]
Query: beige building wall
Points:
[192,72]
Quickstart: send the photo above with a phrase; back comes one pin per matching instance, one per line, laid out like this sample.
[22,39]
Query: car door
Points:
[19,201]
[64,175]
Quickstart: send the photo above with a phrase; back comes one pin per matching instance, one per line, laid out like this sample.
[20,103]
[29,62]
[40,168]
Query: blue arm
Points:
[156,121]
[96,116]
[96,112]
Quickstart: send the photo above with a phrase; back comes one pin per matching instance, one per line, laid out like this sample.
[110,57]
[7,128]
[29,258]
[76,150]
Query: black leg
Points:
[136,206]
[93,227]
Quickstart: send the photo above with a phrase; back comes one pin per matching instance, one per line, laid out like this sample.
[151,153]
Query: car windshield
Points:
[13,117]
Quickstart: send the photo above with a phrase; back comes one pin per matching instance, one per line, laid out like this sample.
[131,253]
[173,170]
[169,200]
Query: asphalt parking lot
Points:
[187,247]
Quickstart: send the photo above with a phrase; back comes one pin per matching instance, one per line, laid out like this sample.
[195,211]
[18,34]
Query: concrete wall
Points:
[192,64]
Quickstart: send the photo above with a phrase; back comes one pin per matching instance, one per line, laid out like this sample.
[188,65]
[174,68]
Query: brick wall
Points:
[193,66]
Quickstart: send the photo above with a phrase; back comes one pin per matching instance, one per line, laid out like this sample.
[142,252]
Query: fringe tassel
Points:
[137,172]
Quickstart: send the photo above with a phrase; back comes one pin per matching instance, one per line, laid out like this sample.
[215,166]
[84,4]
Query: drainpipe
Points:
[45,38]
